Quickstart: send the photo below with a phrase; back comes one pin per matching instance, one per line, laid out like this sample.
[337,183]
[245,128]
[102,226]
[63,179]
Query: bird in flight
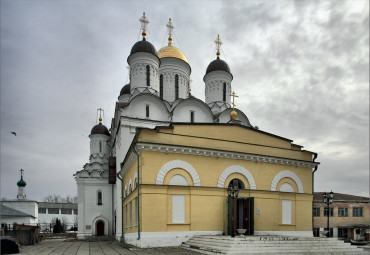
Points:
[14,133]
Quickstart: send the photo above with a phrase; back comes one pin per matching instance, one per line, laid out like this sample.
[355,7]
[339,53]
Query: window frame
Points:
[316,212]
[342,212]
[358,214]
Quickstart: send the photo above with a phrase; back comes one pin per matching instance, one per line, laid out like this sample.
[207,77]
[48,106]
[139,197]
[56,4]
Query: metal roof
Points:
[7,211]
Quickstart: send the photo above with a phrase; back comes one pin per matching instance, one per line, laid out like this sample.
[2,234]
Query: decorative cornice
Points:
[224,154]
[128,163]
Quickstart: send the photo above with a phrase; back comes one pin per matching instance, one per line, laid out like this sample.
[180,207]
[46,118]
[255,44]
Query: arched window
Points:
[191,116]
[161,86]
[148,75]
[224,93]
[240,184]
[100,198]
[176,86]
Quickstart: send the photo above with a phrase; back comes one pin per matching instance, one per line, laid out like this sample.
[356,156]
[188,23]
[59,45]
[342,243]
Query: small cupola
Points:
[218,82]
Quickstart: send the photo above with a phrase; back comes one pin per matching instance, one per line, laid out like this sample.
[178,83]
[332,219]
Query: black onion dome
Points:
[218,65]
[100,129]
[125,90]
[143,46]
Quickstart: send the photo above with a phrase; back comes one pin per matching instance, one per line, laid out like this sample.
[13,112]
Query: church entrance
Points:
[241,215]
[100,228]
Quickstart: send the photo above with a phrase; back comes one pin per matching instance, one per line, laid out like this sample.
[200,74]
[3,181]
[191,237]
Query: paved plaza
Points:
[72,247]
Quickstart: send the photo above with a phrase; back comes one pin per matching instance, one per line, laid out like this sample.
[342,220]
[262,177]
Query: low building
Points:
[349,216]
[49,212]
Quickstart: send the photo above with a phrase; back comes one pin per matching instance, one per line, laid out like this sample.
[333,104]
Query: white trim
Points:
[224,154]
[287,174]
[284,233]
[236,169]
[177,164]
[163,239]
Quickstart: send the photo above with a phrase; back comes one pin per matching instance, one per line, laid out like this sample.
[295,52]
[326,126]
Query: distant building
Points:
[349,216]
[30,212]
[66,212]
[20,210]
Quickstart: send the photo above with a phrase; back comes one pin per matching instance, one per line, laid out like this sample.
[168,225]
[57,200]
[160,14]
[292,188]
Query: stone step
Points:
[269,245]
[285,252]
[266,244]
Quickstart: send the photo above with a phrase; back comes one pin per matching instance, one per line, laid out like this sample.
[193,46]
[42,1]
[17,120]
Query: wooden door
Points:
[100,228]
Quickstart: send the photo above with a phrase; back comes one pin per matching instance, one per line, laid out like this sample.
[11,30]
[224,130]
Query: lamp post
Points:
[233,192]
[328,199]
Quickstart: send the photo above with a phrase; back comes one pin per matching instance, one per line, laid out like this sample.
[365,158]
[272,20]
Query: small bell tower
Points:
[21,187]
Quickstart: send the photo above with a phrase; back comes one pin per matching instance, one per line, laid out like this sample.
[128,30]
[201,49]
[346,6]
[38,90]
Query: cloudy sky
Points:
[301,70]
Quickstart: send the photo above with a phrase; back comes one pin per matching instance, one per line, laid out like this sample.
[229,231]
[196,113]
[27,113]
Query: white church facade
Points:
[161,173]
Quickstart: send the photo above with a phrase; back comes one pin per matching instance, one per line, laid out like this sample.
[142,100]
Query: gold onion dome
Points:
[171,51]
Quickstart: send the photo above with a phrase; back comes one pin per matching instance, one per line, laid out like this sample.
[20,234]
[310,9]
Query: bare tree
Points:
[59,199]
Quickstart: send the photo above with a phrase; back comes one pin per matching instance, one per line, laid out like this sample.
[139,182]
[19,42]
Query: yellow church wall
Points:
[233,138]
[210,169]
[206,206]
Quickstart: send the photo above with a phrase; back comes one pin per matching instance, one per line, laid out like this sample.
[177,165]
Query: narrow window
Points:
[161,86]
[191,116]
[178,208]
[99,146]
[286,212]
[136,211]
[316,211]
[224,93]
[148,75]
[176,86]
[130,214]
[100,198]
[126,224]
[147,111]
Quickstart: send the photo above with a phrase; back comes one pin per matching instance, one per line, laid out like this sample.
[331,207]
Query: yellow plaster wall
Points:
[206,205]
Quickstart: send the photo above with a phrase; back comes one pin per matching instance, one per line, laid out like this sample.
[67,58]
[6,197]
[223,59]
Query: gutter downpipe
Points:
[118,176]
[313,187]
[138,182]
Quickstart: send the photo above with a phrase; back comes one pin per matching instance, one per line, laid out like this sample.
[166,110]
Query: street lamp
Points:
[233,192]
[328,199]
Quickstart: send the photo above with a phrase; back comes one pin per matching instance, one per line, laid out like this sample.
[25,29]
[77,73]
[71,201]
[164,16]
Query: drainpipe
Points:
[313,187]
[138,181]
[119,177]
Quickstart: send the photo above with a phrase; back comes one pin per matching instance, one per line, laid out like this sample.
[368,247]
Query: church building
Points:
[172,166]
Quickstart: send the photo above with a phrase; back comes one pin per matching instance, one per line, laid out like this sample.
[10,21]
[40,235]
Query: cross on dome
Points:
[218,45]
[144,22]
[170,29]
[100,119]
[21,173]
[234,95]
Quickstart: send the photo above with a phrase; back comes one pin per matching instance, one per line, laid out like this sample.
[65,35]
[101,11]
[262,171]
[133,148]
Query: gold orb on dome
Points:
[233,115]
[171,52]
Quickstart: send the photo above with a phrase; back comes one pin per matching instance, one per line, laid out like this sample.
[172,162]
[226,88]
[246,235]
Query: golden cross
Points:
[218,45]
[144,22]
[170,28]
[101,110]
[234,95]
